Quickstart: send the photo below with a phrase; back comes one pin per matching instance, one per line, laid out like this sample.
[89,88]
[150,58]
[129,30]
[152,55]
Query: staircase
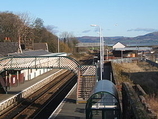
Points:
[86,82]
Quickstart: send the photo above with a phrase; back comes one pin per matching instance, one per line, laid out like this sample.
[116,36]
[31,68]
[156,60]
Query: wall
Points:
[133,103]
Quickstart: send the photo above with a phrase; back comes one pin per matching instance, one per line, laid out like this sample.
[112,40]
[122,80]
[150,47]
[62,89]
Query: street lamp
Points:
[58,44]
[101,51]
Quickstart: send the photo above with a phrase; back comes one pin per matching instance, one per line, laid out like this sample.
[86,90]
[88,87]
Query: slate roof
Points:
[133,48]
[31,53]
[8,47]
[39,46]
[11,49]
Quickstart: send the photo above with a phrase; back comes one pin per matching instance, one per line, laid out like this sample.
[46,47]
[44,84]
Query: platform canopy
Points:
[103,102]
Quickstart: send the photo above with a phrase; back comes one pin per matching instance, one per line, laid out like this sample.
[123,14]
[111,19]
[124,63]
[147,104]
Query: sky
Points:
[128,18]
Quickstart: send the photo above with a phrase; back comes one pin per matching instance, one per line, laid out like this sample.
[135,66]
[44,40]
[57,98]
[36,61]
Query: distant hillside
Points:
[151,38]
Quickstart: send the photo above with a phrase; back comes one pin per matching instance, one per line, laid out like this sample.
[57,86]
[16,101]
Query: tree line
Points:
[21,28]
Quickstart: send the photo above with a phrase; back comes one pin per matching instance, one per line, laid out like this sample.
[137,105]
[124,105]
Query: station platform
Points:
[15,90]
[68,109]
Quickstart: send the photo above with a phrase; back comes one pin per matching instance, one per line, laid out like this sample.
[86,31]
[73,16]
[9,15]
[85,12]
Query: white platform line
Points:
[58,109]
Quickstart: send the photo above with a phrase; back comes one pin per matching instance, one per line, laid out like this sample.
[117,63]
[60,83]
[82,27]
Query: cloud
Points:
[143,29]
[86,31]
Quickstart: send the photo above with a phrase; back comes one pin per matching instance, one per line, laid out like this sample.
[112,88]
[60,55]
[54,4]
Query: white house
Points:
[118,45]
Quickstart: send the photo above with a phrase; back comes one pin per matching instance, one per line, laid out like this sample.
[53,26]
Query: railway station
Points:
[78,59]
[57,64]
[34,68]
[91,91]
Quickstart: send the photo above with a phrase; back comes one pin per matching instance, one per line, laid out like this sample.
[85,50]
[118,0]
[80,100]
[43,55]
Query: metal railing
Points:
[61,62]
[152,63]
[124,60]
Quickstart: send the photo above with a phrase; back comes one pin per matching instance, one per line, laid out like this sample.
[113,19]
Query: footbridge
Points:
[86,73]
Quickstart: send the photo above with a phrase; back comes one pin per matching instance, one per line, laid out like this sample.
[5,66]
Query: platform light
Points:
[101,51]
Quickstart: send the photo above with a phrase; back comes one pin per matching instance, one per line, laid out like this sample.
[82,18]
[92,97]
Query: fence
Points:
[124,60]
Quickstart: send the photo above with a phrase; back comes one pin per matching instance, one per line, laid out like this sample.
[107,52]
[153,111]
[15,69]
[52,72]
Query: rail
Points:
[4,105]
[38,62]
[87,72]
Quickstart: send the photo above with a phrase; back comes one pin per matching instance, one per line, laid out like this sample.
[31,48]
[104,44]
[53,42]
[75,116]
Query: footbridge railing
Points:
[39,62]
[86,74]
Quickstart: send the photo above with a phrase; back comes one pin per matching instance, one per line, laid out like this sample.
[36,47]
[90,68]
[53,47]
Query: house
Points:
[10,48]
[39,46]
[15,77]
[120,50]
[118,45]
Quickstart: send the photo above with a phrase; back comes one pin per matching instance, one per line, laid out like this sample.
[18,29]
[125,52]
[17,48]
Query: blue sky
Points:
[116,17]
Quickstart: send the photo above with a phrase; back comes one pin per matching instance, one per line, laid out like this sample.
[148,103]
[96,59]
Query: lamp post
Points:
[58,44]
[107,56]
[101,51]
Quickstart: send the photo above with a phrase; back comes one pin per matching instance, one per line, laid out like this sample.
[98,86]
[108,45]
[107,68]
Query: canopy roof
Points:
[104,99]
[105,86]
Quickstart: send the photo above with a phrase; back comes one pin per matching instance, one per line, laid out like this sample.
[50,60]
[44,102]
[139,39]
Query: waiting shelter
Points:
[103,102]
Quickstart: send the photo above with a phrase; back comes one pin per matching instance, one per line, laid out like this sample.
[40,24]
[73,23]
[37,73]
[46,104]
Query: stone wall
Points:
[134,104]
[132,100]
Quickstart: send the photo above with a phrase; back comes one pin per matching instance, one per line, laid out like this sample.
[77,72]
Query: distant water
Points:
[139,44]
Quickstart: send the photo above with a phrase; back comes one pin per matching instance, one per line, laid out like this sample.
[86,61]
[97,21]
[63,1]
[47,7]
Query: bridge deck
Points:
[15,90]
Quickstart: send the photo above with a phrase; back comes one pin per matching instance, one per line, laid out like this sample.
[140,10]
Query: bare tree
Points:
[24,30]
[70,40]
[8,26]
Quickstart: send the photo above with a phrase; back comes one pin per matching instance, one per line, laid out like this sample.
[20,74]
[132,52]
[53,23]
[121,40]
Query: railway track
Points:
[87,61]
[32,106]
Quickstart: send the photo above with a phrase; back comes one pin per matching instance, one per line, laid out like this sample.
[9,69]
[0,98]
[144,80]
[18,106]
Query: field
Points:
[143,74]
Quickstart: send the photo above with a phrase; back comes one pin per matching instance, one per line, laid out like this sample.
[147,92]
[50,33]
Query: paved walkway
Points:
[15,90]
[70,109]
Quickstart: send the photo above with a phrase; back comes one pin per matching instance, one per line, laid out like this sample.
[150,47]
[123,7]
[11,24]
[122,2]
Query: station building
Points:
[123,51]
[13,78]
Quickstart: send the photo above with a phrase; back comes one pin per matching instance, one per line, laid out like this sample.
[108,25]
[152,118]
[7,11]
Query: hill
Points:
[151,38]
